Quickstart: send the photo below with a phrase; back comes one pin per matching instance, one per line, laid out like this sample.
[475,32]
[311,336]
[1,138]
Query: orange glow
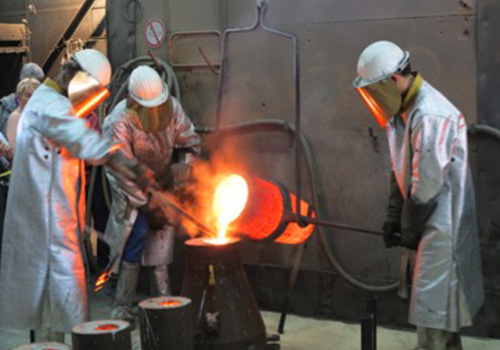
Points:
[84,109]
[379,114]
[170,303]
[264,212]
[106,327]
[294,234]
[229,200]
[103,278]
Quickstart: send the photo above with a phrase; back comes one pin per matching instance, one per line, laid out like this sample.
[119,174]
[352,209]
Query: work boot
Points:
[125,291]
[160,281]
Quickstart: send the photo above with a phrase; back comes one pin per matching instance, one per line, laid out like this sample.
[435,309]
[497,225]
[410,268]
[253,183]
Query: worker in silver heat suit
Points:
[432,209]
[151,124]
[42,274]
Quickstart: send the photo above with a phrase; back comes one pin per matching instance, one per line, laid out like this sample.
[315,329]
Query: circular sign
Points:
[154,33]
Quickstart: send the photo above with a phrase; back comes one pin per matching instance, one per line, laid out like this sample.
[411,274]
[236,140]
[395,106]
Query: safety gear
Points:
[32,70]
[155,215]
[155,152]
[129,169]
[414,217]
[147,87]
[125,292]
[376,65]
[160,281]
[380,61]
[85,93]
[87,89]
[392,233]
[383,99]
[152,119]
[153,107]
[47,182]
[181,174]
[429,155]
[94,63]
[437,339]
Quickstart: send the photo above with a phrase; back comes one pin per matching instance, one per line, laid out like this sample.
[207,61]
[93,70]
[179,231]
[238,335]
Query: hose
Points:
[485,130]
[283,126]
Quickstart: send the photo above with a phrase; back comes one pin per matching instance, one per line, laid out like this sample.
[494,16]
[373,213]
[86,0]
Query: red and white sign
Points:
[154,33]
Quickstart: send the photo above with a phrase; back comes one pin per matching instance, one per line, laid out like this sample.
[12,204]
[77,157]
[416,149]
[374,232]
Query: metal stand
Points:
[369,325]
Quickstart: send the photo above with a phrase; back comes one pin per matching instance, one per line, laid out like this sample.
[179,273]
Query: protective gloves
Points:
[181,174]
[414,218]
[131,170]
[392,236]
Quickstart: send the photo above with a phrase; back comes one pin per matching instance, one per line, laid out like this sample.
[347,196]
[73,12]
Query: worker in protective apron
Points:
[431,209]
[151,124]
[42,275]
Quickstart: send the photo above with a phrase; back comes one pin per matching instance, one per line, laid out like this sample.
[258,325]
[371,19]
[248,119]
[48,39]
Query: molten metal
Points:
[170,303]
[106,327]
[230,199]
[84,109]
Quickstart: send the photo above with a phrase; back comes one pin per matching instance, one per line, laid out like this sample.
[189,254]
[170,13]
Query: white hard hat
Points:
[94,63]
[147,87]
[379,61]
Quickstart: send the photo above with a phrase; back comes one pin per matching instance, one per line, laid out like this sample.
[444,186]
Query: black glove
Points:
[414,218]
[392,236]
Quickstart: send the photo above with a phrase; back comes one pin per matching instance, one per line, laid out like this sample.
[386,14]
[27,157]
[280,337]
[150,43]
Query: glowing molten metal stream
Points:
[230,199]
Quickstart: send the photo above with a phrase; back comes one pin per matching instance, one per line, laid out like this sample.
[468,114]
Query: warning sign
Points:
[154,33]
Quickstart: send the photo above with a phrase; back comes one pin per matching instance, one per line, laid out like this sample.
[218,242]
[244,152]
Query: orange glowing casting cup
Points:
[265,213]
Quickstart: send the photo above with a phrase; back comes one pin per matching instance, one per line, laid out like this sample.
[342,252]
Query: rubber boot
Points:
[125,291]
[160,281]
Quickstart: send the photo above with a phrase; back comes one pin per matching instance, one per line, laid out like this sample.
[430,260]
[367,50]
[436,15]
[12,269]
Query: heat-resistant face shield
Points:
[85,93]
[152,119]
[382,99]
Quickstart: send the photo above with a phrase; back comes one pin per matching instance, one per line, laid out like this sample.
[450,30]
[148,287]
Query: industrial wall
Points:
[47,21]
[349,147]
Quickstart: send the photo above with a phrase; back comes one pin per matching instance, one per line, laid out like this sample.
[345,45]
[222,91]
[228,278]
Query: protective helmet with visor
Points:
[376,66]
[149,100]
[87,89]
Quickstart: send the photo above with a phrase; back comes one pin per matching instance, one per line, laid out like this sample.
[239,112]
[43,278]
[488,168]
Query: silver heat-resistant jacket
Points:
[430,162]
[42,266]
[155,151]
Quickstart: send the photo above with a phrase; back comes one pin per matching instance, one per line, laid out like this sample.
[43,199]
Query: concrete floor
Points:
[301,333]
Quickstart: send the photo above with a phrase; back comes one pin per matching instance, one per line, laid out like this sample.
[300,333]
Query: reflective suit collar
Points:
[55,86]
[412,92]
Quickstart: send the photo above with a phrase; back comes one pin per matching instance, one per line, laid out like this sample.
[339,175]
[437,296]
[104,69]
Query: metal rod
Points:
[165,200]
[367,339]
[371,308]
[314,221]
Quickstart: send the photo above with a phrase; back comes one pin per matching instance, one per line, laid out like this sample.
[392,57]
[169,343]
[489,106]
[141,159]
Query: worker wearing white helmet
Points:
[432,197]
[42,276]
[153,127]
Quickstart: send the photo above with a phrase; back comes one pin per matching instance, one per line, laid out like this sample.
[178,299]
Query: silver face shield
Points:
[85,93]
